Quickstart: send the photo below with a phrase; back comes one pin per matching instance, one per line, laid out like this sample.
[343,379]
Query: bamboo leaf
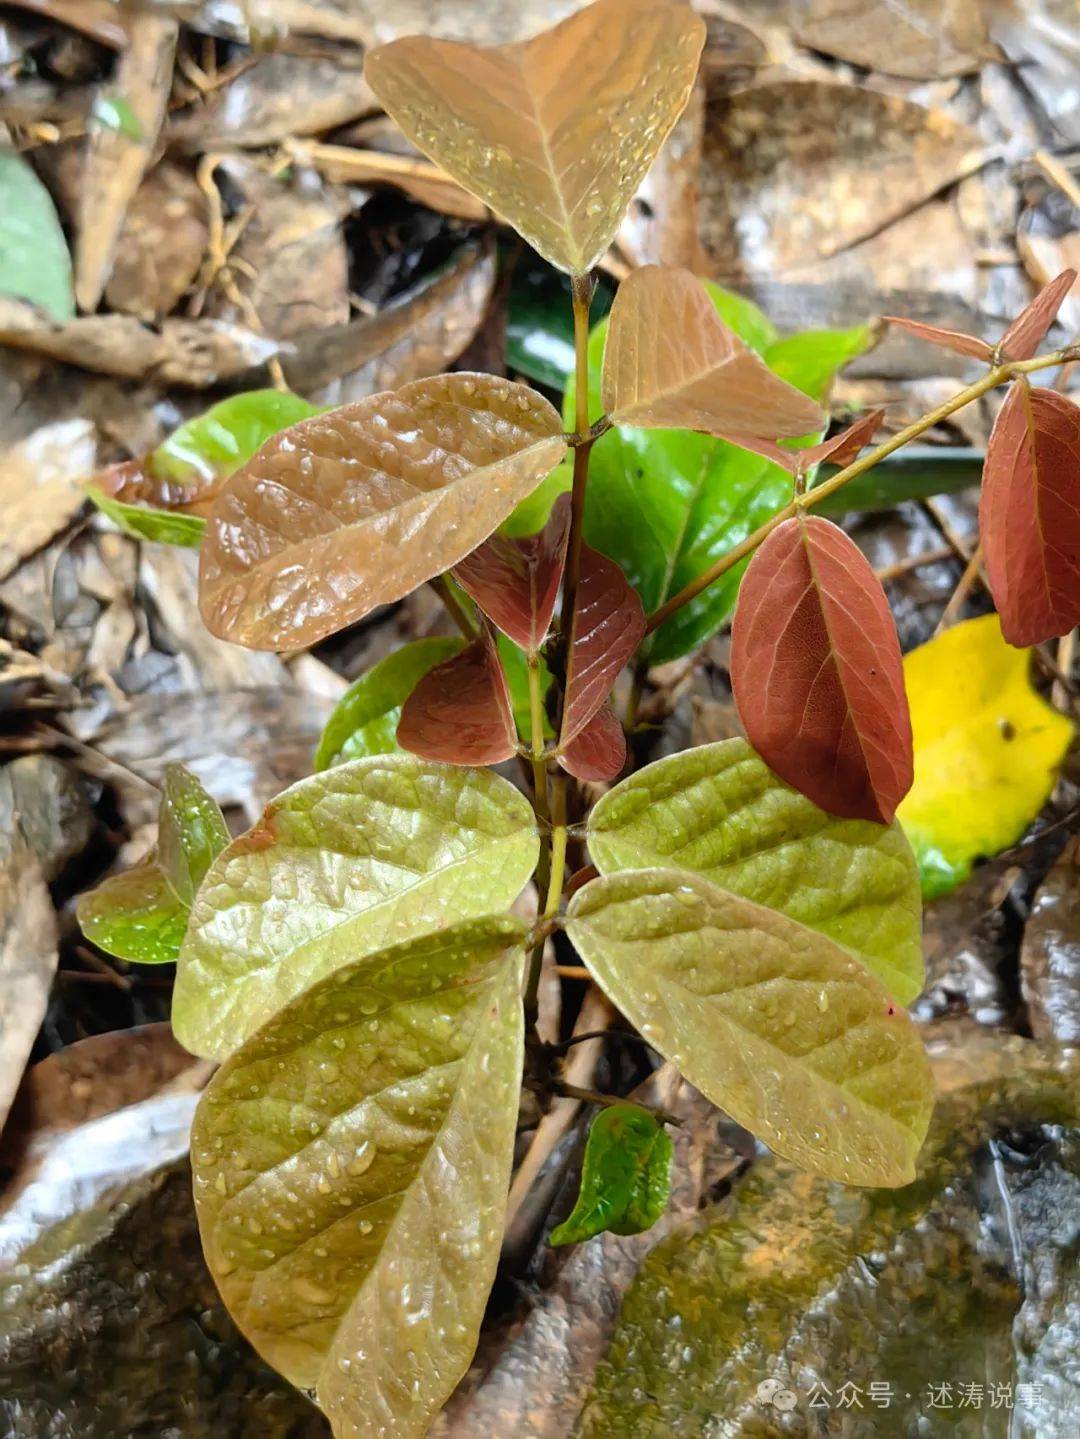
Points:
[625,1178]
[671,363]
[718,811]
[816,671]
[1029,518]
[351,1169]
[987,750]
[141,914]
[365,718]
[339,866]
[355,508]
[773,1022]
[556,154]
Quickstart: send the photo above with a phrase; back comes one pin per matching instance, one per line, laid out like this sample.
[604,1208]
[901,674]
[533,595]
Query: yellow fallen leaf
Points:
[987,748]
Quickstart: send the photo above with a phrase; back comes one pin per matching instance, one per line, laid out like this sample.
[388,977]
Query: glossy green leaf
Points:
[351,1166]
[226,436]
[370,853]
[535,510]
[772,1021]
[141,914]
[364,720]
[145,523]
[540,321]
[693,497]
[34,261]
[987,750]
[625,1177]
[720,812]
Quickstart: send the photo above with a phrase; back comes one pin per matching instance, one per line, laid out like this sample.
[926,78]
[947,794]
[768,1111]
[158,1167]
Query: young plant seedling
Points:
[353,961]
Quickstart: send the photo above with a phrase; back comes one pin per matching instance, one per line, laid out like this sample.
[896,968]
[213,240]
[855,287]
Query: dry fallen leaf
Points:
[519,126]
[918,39]
[355,508]
[671,362]
[118,154]
[796,171]
[161,245]
[40,490]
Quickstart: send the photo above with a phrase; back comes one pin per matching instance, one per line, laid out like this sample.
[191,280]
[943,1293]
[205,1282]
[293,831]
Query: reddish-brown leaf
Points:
[355,508]
[133,482]
[840,450]
[671,362]
[1028,330]
[954,340]
[460,712]
[1029,514]
[598,752]
[516,582]
[816,670]
[610,626]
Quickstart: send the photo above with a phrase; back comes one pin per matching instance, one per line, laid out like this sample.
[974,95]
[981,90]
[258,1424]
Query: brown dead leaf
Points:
[514,124]
[40,490]
[355,508]
[115,160]
[97,18]
[417,335]
[797,171]
[671,362]
[161,245]
[917,39]
[189,353]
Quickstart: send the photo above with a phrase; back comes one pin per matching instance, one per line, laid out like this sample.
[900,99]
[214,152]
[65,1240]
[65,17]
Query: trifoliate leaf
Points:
[625,1176]
[987,749]
[720,812]
[351,1170]
[772,1021]
[366,854]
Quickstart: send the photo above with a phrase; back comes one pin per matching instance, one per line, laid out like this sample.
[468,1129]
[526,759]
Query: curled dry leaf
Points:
[338,866]
[460,712]
[671,363]
[1029,514]
[355,508]
[597,752]
[553,141]
[817,674]
[354,1236]
[516,582]
[1028,330]
[954,340]
[773,1022]
[609,624]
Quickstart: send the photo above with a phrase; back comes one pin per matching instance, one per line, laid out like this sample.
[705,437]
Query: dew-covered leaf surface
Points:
[368,854]
[720,812]
[772,1021]
[516,125]
[354,1235]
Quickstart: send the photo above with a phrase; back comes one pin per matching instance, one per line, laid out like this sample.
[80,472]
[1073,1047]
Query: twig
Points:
[964,587]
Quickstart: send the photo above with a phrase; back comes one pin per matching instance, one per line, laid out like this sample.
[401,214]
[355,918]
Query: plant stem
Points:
[582,295]
[609,1101]
[457,614]
[994,377]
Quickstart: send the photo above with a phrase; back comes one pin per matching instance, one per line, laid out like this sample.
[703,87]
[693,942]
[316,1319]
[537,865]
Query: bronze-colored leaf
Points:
[816,670]
[597,752]
[608,627]
[840,449]
[355,508]
[516,582]
[460,712]
[1029,515]
[798,170]
[954,340]
[670,362]
[1028,330]
[519,126]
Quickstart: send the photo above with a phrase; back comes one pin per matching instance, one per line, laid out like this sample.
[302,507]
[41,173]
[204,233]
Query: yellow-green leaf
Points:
[625,1176]
[773,1022]
[378,851]
[554,133]
[141,914]
[351,1170]
[987,749]
[720,812]
[143,522]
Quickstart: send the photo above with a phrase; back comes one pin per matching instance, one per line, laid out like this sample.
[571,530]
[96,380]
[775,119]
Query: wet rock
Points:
[964,1283]
[1050,956]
